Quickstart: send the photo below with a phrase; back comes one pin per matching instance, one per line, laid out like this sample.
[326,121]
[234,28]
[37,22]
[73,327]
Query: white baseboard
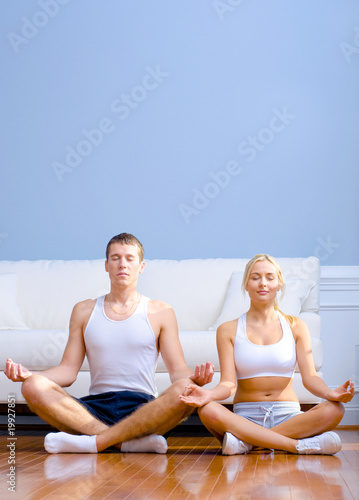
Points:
[351,416]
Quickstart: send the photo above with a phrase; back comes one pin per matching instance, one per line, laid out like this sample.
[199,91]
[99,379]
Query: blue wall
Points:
[215,128]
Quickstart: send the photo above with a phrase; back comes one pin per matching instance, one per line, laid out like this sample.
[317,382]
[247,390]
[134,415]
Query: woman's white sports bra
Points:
[273,360]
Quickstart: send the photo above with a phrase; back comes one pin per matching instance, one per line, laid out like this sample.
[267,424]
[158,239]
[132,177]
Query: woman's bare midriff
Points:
[264,389]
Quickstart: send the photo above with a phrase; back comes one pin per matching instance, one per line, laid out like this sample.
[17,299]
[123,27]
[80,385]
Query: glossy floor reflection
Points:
[193,469]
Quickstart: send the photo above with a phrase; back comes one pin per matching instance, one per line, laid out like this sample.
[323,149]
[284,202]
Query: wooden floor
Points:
[193,469]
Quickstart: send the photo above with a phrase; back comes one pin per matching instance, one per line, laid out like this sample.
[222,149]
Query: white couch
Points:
[36,299]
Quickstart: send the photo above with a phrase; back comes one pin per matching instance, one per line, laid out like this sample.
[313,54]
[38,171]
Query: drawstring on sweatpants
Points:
[269,413]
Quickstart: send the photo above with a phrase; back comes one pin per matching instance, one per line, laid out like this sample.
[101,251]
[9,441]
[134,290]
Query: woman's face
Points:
[263,283]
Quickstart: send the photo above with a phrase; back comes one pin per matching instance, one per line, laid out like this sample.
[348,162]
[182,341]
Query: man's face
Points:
[123,264]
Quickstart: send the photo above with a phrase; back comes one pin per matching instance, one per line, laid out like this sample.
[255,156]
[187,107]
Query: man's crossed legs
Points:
[142,431]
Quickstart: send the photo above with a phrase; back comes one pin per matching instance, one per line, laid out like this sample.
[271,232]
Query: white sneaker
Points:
[327,443]
[234,446]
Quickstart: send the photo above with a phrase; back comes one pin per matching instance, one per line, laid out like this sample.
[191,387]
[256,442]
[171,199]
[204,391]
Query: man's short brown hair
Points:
[126,239]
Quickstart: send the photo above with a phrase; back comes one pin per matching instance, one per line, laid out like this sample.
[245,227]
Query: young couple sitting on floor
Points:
[122,334]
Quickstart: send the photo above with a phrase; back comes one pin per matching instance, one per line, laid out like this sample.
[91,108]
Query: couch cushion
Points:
[237,302]
[10,314]
[195,288]
[37,350]
[48,290]
[304,269]
[198,347]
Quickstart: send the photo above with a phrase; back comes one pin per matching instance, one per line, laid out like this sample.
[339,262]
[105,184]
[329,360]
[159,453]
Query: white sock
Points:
[148,444]
[62,442]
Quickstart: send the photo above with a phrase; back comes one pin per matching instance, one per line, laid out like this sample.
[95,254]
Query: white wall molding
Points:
[339,278]
[339,287]
[339,311]
[339,307]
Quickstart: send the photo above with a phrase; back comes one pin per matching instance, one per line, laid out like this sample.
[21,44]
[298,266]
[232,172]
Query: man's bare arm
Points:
[171,349]
[66,372]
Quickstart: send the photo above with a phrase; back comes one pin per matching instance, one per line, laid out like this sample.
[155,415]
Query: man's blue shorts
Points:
[111,407]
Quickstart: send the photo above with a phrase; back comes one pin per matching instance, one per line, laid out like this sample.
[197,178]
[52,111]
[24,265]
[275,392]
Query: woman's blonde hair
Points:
[292,320]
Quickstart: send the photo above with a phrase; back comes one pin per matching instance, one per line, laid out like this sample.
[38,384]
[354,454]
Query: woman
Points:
[258,353]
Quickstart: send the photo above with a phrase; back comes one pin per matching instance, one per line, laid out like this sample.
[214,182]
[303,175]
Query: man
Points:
[122,334]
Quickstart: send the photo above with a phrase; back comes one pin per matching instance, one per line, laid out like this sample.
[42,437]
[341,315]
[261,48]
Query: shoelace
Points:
[310,444]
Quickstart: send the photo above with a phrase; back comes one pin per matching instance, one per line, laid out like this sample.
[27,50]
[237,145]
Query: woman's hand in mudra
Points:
[195,396]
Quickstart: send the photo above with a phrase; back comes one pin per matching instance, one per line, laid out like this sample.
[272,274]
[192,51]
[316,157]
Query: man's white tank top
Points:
[122,355]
